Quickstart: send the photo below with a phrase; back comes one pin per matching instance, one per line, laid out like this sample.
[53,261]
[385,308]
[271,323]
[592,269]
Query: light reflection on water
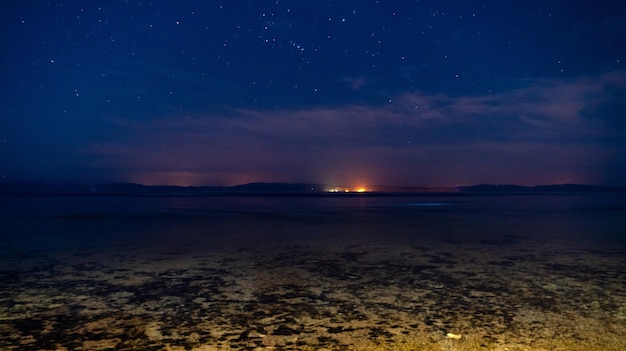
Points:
[536,265]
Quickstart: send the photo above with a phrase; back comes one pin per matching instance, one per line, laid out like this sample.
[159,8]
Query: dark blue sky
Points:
[433,93]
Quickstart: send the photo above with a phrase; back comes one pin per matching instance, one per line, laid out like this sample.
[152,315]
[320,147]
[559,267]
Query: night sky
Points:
[422,93]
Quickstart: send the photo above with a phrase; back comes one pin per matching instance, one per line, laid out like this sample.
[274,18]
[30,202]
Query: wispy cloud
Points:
[548,127]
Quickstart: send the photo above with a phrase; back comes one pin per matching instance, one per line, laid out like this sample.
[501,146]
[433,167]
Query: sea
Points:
[421,271]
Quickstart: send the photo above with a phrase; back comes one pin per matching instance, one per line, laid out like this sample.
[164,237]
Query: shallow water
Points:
[270,272]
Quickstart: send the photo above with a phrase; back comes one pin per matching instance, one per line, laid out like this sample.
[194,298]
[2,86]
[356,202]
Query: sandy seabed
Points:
[454,295]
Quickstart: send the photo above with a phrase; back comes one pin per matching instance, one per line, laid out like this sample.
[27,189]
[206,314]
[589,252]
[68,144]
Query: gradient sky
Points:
[423,93]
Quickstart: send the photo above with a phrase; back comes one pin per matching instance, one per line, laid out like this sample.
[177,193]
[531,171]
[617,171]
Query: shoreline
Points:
[357,296]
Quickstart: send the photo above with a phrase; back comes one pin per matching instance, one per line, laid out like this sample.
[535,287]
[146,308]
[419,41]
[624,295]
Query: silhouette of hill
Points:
[275,187]
[560,188]
[260,188]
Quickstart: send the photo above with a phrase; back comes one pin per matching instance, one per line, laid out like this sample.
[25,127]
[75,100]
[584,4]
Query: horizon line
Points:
[286,187]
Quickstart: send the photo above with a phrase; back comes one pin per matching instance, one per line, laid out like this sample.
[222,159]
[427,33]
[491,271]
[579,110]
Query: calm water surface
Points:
[288,272]
[51,223]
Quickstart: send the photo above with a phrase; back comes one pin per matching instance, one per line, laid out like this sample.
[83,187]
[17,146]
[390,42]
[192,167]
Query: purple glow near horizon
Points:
[353,94]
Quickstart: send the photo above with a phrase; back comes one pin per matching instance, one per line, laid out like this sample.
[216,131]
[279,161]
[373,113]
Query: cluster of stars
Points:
[145,60]
[397,48]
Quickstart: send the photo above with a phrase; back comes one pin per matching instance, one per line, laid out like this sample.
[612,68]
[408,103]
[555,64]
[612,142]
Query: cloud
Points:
[355,83]
[546,131]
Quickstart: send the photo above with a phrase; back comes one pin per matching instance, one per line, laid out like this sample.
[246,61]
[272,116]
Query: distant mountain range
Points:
[561,188]
[130,189]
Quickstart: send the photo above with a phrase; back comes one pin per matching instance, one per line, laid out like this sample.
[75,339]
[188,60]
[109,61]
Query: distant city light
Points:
[340,189]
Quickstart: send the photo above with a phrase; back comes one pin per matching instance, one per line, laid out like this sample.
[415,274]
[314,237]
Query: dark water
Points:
[57,223]
[293,272]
